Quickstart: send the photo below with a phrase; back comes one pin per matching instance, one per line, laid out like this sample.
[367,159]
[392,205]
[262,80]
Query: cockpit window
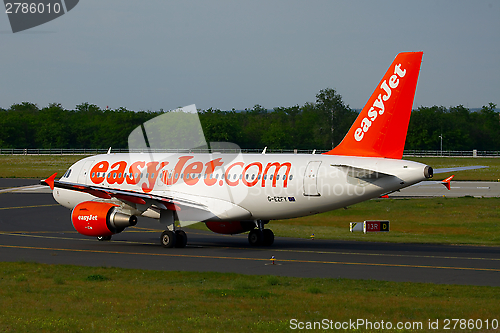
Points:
[66,175]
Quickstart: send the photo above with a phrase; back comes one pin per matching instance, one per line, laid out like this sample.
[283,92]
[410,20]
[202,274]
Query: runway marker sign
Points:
[370,226]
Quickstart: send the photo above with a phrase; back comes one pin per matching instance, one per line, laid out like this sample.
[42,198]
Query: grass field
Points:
[35,166]
[47,298]
[431,220]
[436,220]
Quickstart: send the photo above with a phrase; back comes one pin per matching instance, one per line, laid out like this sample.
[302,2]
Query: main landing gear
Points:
[261,236]
[171,239]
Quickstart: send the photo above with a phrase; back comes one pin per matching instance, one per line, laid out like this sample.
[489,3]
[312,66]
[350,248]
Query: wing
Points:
[188,208]
[472,167]
[28,189]
[127,196]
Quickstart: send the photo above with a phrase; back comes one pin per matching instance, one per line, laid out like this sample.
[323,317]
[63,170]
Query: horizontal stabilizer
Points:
[472,167]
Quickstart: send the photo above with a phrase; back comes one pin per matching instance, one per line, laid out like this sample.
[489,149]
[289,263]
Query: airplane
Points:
[237,193]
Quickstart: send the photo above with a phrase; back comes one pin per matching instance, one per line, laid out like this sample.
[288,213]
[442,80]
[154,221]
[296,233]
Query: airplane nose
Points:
[428,172]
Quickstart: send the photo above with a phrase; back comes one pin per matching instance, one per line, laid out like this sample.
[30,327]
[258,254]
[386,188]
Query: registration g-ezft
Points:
[32,8]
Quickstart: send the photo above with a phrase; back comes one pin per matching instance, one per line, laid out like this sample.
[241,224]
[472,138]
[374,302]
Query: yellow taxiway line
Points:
[250,259]
[36,234]
[51,205]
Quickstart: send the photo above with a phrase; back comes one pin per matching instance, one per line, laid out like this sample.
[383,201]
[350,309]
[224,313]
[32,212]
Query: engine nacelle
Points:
[231,227]
[100,219]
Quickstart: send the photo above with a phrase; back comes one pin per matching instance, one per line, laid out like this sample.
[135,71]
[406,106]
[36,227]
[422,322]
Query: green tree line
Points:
[319,125]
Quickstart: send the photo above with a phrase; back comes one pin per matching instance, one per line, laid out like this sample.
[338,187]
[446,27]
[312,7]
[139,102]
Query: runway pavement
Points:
[34,228]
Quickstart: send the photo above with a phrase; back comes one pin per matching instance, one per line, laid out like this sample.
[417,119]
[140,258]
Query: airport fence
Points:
[58,151]
[452,153]
[95,151]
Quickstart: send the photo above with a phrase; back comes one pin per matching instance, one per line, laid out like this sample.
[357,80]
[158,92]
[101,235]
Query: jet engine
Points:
[231,227]
[100,219]
[428,172]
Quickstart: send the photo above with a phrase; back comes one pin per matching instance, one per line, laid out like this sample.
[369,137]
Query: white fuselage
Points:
[243,186]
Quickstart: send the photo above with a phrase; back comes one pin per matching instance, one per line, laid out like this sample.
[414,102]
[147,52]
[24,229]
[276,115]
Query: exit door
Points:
[82,176]
[311,179]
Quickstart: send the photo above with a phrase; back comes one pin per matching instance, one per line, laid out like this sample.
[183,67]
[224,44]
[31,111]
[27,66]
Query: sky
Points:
[151,55]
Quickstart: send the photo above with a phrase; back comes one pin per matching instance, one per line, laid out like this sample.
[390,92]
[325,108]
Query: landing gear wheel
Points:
[255,237]
[103,238]
[180,238]
[168,239]
[268,237]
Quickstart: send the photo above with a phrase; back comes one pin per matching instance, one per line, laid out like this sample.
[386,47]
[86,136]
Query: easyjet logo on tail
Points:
[378,107]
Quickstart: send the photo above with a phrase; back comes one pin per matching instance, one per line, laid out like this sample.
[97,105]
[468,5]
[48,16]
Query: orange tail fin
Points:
[380,129]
